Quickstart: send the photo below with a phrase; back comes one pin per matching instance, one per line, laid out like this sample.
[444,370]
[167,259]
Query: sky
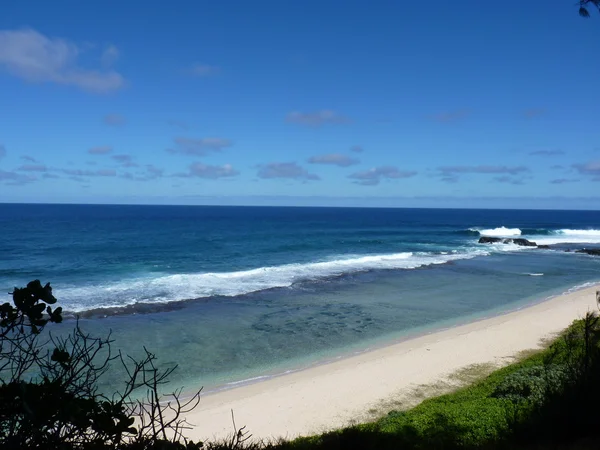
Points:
[326,103]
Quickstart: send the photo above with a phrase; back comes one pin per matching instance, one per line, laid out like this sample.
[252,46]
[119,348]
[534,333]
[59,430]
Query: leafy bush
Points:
[532,384]
[49,394]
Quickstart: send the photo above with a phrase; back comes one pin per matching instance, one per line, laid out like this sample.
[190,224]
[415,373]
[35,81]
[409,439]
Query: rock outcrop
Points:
[589,251]
[517,241]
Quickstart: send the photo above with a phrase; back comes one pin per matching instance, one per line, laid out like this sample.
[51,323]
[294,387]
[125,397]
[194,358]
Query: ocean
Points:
[235,294]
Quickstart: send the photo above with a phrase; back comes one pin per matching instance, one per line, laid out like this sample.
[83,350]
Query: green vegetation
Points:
[49,397]
[547,400]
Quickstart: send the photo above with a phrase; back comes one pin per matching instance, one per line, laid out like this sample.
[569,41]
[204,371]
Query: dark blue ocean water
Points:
[238,292]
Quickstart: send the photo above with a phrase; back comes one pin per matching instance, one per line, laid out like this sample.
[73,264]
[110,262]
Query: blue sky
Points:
[386,103]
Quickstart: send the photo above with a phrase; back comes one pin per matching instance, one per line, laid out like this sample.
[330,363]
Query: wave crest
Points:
[541,235]
[579,232]
[179,287]
[501,231]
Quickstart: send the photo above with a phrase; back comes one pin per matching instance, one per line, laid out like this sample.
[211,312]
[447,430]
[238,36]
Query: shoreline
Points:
[334,393]
[387,341]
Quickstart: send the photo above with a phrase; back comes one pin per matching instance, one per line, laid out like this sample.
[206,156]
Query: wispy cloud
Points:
[110,55]
[153,171]
[15,178]
[124,160]
[2,151]
[146,173]
[591,168]
[102,150]
[334,159]
[317,118]
[483,169]
[90,173]
[114,120]
[28,158]
[199,147]
[33,168]
[204,70]
[451,174]
[547,153]
[357,149]
[564,180]
[509,180]
[199,170]
[290,170]
[451,116]
[375,175]
[49,175]
[179,124]
[33,57]
[532,113]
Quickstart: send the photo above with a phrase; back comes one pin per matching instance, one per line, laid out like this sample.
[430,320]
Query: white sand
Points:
[332,395]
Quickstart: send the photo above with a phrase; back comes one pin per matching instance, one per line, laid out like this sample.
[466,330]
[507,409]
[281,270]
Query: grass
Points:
[468,417]
[540,401]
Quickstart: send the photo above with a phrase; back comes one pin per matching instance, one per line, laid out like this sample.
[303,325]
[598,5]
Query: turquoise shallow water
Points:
[232,294]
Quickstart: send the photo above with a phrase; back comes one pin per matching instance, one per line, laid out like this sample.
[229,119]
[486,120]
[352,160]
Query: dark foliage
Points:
[584,7]
[49,395]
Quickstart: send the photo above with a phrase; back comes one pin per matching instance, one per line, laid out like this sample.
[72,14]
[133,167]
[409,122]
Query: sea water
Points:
[231,294]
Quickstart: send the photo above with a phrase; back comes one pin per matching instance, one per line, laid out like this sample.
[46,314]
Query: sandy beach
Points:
[335,394]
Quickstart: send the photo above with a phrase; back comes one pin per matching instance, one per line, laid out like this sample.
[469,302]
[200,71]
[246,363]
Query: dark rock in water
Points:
[489,240]
[589,251]
[517,241]
[523,242]
[545,247]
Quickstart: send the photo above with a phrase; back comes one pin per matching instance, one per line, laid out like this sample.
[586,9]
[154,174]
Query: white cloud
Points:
[317,118]
[179,124]
[511,170]
[91,173]
[451,116]
[31,56]
[547,153]
[204,70]
[33,168]
[102,150]
[532,113]
[590,168]
[199,147]
[110,56]
[114,120]
[200,170]
[374,176]
[335,159]
[286,170]
[15,179]
[125,160]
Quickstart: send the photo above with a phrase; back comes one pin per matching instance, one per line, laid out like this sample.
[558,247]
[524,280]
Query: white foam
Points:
[168,288]
[501,231]
[567,236]
[579,232]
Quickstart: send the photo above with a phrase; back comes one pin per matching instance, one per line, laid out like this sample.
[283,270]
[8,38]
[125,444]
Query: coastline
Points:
[334,394]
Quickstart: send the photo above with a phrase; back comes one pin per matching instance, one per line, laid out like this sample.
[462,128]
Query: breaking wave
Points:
[180,287]
[501,231]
